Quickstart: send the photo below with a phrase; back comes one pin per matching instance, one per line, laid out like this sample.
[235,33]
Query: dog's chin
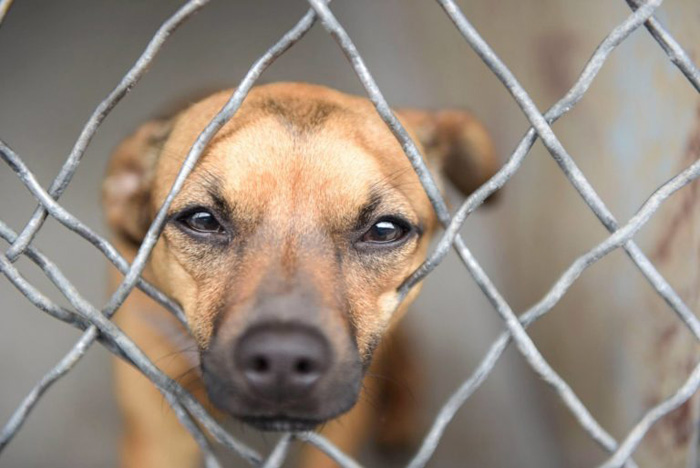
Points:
[280,424]
[285,423]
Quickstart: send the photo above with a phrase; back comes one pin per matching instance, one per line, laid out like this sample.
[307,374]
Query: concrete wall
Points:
[629,134]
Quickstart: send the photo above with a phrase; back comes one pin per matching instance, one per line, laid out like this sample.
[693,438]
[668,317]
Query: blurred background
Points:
[609,336]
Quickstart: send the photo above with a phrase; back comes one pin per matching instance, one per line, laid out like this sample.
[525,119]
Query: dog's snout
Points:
[291,367]
[281,362]
[281,375]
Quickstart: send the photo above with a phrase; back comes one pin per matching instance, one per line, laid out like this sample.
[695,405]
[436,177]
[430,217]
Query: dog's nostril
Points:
[304,366]
[260,364]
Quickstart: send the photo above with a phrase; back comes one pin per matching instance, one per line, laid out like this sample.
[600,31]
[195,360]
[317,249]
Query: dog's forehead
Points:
[266,162]
[291,147]
[265,168]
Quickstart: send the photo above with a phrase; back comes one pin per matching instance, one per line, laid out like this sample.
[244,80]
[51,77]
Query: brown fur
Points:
[297,172]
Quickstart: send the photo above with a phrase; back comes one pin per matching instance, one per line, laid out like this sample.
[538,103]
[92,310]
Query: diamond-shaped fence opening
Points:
[96,325]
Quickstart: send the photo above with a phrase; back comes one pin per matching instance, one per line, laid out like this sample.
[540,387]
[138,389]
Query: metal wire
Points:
[98,327]
[279,453]
[4,8]
[101,111]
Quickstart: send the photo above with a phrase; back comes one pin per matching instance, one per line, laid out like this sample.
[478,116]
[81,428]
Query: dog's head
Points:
[289,240]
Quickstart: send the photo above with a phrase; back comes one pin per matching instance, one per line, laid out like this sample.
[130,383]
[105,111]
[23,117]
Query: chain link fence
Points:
[97,326]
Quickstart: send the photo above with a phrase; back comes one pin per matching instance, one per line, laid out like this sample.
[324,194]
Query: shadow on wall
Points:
[61,58]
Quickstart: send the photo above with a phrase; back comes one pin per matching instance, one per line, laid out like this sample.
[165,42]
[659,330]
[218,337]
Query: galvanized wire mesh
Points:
[98,327]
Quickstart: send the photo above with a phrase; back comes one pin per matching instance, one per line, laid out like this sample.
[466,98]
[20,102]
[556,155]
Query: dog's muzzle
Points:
[282,377]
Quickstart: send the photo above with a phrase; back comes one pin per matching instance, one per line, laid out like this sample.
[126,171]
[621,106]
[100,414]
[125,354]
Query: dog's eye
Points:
[385,231]
[202,222]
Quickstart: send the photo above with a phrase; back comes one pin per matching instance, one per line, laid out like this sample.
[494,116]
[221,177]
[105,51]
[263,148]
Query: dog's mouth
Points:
[281,423]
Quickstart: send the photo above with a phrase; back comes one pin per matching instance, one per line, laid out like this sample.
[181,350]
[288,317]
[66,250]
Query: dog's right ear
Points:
[456,146]
[126,191]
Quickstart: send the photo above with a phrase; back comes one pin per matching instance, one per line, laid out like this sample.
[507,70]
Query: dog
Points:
[285,249]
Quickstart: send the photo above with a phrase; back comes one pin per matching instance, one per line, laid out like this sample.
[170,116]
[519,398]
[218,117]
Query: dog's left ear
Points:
[456,145]
[126,191]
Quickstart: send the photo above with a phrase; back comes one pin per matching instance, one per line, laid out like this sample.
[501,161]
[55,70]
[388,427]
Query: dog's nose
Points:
[280,362]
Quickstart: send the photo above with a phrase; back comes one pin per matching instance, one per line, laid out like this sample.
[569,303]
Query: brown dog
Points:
[285,249]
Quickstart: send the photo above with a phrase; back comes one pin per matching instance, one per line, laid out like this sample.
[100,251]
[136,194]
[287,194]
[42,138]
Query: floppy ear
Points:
[456,145]
[126,191]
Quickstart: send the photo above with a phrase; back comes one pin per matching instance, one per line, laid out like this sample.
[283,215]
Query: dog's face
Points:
[289,240]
